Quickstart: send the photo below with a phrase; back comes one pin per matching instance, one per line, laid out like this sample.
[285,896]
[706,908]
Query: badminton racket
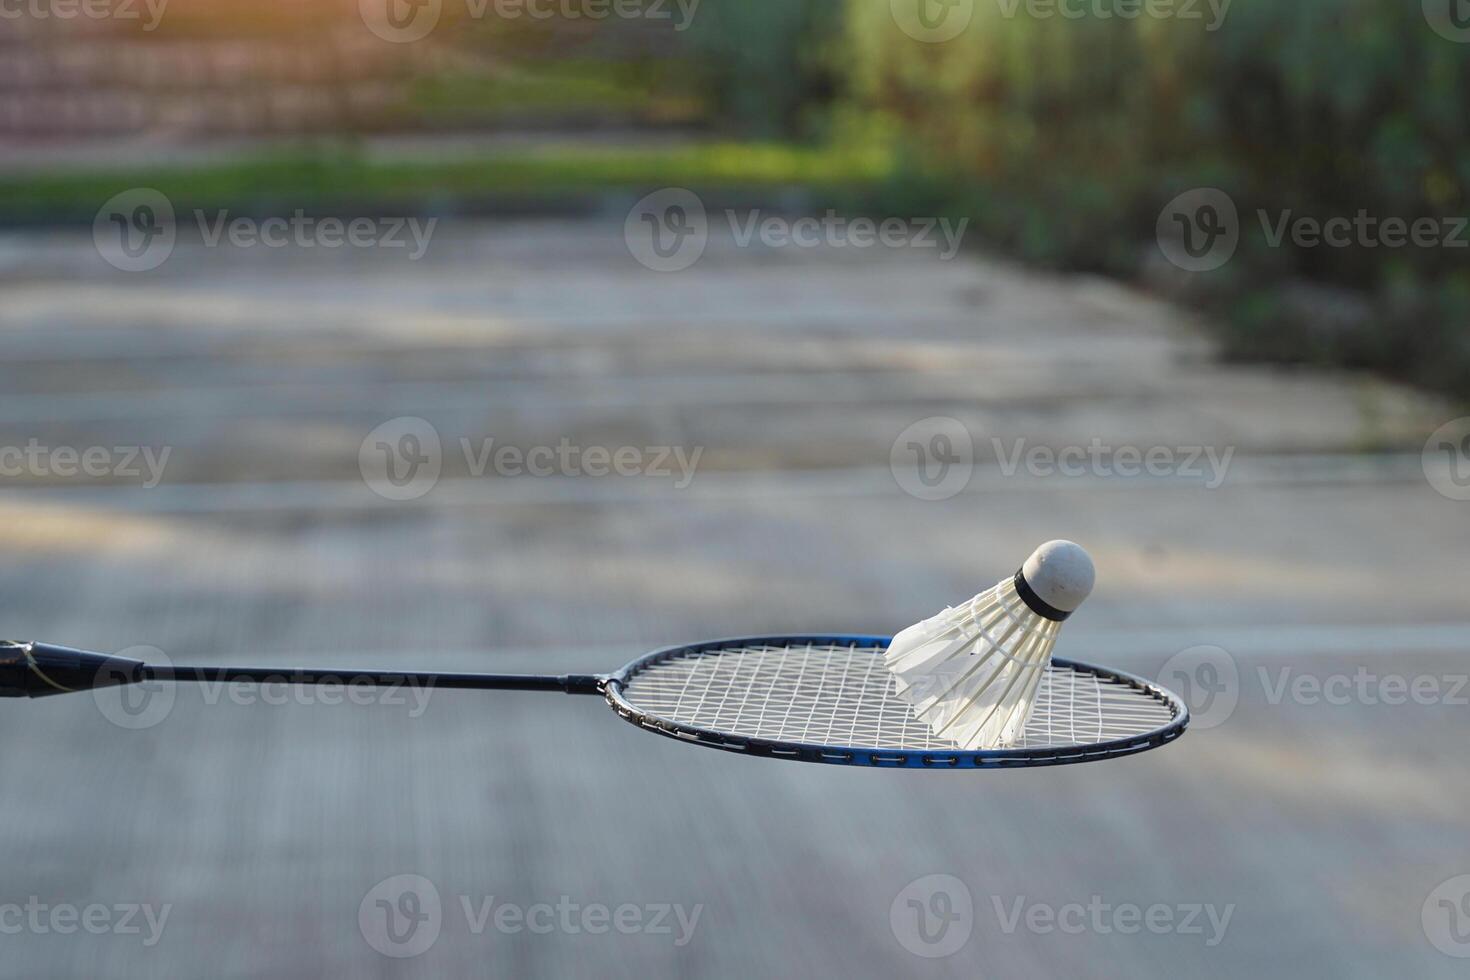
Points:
[824,699]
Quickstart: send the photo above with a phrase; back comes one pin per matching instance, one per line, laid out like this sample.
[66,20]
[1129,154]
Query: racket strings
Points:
[836,694]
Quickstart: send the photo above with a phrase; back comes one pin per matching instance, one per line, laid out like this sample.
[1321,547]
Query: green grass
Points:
[636,91]
[344,178]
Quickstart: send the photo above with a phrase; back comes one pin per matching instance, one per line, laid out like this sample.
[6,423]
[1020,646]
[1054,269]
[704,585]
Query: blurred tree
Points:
[1065,137]
[766,66]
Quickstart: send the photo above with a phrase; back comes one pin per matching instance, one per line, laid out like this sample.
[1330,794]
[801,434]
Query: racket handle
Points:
[38,670]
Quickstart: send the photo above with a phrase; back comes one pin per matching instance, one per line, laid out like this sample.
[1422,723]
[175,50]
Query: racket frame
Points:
[613,689]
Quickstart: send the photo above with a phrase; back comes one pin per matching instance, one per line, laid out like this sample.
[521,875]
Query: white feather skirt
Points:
[971,673]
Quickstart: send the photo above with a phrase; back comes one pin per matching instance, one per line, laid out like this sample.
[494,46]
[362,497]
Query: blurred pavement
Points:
[1323,552]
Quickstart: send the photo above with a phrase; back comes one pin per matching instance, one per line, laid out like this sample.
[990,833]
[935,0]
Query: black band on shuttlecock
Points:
[1038,605]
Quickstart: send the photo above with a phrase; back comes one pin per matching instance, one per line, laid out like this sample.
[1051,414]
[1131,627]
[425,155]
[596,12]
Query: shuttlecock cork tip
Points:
[1060,574]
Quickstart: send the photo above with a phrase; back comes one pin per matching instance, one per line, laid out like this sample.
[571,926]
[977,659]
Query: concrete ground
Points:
[1312,824]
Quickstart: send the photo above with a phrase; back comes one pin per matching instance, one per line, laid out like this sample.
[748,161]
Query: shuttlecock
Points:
[971,673]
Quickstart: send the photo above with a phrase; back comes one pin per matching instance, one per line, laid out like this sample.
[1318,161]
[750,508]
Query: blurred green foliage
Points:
[566,91]
[1065,138]
[768,67]
[1061,137]
[326,179]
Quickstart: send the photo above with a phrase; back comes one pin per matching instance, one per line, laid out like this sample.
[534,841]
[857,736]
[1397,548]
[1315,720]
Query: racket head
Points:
[830,699]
